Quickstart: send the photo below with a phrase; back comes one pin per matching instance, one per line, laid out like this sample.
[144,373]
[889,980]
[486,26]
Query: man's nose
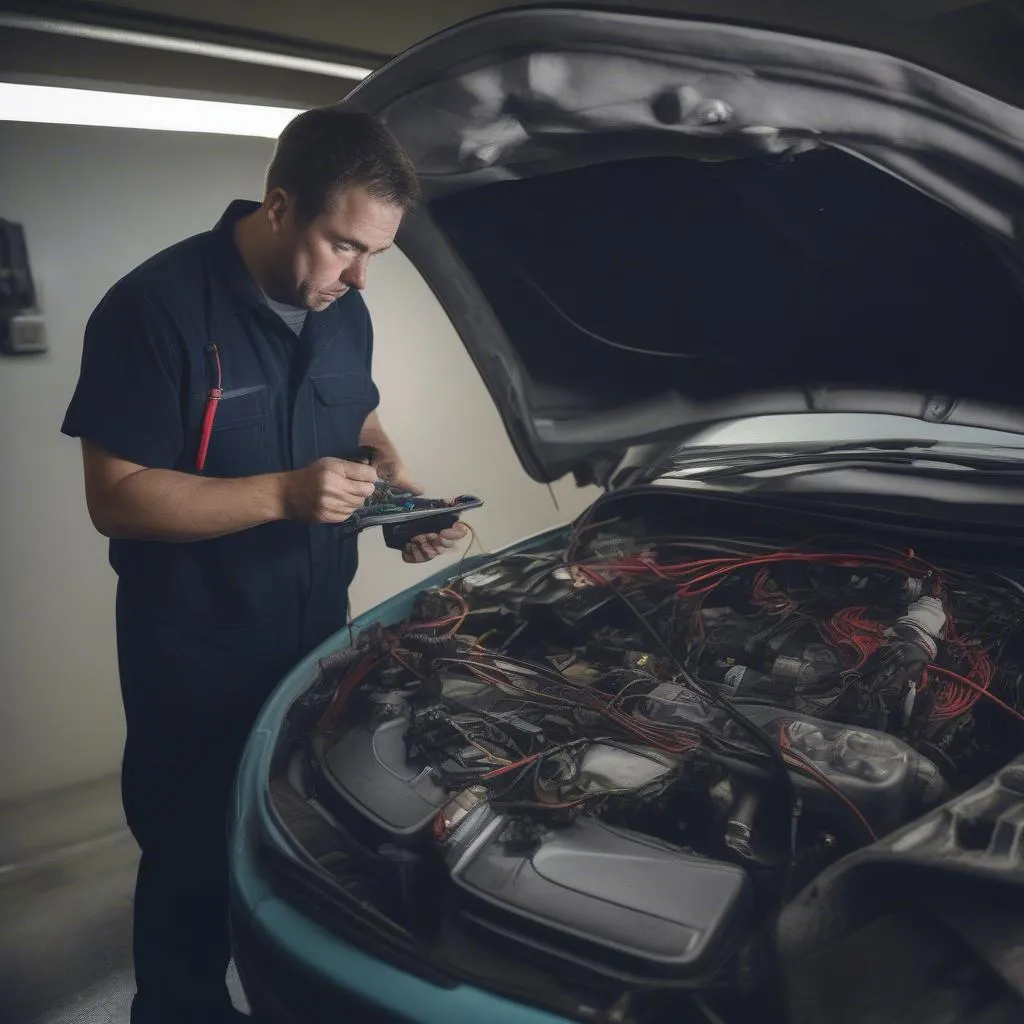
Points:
[354,274]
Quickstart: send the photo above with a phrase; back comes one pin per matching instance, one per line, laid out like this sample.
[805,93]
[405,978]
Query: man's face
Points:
[319,260]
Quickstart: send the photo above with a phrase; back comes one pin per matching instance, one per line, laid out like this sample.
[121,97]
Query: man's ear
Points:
[278,206]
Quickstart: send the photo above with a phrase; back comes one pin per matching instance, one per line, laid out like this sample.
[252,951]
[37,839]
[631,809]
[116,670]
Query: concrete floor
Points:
[67,873]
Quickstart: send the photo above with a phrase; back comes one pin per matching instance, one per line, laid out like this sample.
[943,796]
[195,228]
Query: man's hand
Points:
[386,462]
[429,545]
[328,490]
[394,471]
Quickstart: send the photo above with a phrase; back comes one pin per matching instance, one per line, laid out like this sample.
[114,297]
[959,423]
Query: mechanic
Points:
[223,383]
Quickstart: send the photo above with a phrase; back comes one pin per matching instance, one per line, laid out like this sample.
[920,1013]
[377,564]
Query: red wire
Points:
[512,767]
[849,628]
[953,698]
[980,690]
[330,717]
[710,571]
[665,738]
[795,759]
[733,565]
[455,621]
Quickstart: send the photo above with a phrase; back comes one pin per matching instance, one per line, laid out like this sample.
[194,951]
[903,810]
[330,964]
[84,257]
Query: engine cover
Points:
[616,901]
[367,771]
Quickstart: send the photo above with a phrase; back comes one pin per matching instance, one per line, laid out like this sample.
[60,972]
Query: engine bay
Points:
[619,757]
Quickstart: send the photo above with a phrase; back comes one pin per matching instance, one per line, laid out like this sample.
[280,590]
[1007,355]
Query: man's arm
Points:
[128,501]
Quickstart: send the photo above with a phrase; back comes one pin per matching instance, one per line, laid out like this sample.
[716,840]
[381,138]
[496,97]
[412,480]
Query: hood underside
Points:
[641,225]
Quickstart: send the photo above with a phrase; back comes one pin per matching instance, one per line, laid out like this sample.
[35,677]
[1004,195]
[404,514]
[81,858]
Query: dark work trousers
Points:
[191,695]
[177,814]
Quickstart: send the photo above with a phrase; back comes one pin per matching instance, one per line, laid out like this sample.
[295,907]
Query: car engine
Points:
[619,758]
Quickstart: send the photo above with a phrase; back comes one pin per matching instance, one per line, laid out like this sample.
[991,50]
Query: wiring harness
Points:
[741,700]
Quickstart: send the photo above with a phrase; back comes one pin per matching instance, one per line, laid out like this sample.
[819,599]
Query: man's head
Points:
[337,188]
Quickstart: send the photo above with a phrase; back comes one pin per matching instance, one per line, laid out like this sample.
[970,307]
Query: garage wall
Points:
[94,202]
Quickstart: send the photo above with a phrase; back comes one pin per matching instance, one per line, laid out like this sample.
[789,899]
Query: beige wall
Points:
[94,202]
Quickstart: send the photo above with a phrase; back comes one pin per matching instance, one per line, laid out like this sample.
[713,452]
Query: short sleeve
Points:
[368,336]
[128,397]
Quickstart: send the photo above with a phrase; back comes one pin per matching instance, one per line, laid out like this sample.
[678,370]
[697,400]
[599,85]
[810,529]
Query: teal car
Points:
[743,743]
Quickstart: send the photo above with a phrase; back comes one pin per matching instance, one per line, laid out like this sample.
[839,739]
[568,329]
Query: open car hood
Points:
[641,225]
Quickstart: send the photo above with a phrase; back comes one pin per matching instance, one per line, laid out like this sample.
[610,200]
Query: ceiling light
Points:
[44,104]
[175,44]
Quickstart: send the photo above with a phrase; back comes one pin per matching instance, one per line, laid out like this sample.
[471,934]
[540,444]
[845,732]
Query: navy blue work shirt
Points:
[249,604]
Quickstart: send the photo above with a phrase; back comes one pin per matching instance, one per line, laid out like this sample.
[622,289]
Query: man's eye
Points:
[343,247]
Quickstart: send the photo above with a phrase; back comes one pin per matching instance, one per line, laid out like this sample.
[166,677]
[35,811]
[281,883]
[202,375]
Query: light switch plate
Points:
[24,335]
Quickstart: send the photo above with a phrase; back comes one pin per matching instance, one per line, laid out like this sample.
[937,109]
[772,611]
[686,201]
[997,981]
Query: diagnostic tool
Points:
[403,515]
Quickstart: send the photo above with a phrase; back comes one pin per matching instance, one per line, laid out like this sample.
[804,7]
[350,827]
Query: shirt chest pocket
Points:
[238,440]
[341,403]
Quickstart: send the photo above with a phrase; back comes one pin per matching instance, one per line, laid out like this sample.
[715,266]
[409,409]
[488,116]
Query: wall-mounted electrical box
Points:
[21,324]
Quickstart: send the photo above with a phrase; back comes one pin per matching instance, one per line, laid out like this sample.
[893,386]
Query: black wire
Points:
[553,677]
[759,737]
[521,773]
[548,672]
[518,776]
[576,699]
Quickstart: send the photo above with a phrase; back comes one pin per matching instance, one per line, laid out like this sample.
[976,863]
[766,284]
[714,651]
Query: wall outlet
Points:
[23,335]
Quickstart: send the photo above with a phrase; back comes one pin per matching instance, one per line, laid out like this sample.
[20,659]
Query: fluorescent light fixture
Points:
[221,51]
[45,104]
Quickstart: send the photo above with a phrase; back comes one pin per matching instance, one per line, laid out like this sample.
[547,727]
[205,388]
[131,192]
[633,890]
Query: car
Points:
[743,742]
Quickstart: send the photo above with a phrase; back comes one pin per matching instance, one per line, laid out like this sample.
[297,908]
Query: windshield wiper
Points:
[706,455]
[738,462]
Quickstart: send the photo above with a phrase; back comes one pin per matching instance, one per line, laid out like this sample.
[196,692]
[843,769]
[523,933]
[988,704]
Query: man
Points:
[224,383]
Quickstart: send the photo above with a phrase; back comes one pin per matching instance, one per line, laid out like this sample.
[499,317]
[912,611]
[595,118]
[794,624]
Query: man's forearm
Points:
[129,501]
[161,504]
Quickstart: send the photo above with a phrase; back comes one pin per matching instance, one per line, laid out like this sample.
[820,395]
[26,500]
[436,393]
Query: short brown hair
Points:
[327,149]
